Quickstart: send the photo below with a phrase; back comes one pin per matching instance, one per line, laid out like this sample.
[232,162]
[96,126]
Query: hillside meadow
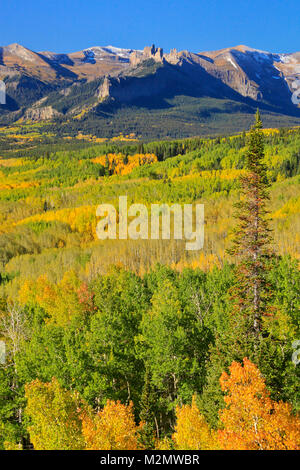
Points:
[48,203]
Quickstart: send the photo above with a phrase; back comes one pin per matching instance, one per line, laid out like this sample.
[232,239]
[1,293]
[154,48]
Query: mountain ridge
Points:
[47,85]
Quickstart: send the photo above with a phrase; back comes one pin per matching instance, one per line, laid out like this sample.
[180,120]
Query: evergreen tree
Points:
[251,243]
[250,293]
[147,413]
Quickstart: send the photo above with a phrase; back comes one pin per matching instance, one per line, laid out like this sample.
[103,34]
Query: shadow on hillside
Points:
[154,91]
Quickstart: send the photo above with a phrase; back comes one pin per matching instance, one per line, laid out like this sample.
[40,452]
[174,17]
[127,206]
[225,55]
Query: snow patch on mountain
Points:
[284,58]
[118,51]
[92,54]
[232,63]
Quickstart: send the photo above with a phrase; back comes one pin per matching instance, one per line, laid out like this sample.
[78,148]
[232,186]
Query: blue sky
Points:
[196,25]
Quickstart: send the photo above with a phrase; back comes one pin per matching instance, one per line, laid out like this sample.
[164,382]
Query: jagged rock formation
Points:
[172,57]
[44,85]
[104,89]
[155,53]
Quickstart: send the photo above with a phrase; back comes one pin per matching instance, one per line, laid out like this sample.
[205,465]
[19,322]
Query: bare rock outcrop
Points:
[173,57]
[155,53]
[41,114]
[104,89]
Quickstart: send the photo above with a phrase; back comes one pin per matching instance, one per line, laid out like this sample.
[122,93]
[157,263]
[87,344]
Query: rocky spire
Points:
[150,52]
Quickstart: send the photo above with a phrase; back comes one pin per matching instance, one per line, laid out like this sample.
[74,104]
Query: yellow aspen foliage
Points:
[119,164]
[54,415]
[12,445]
[67,302]
[20,185]
[164,444]
[11,162]
[60,301]
[225,174]
[113,428]
[192,431]
[40,292]
[206,262]
[127,138]
[251,420]
[81,219]
[289,208]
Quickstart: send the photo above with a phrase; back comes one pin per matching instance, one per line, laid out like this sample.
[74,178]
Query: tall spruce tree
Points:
[251,242]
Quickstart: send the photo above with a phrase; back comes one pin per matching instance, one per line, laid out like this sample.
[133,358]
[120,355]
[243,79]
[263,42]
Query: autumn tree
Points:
[54,414]
[112,428]
[62,302]
[192,431]
[164,444]
[251,420]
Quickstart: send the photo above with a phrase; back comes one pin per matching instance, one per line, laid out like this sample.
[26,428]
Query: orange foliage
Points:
[60,301]
[113,428]
[86,298]
[119,165]
[20,185]
[251,420]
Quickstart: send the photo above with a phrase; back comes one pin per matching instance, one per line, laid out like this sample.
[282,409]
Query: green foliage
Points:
[148,411]
[147,332]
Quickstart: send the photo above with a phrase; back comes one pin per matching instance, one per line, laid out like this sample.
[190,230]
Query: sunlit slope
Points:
[48,203]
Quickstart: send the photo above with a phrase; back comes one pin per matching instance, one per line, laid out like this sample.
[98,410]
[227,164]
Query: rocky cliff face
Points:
[104,89]
[41,114]
[125,75]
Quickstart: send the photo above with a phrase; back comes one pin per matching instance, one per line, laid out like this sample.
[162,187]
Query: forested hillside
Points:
[130,344]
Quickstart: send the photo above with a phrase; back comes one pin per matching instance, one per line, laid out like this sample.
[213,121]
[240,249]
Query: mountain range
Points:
[110,88]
